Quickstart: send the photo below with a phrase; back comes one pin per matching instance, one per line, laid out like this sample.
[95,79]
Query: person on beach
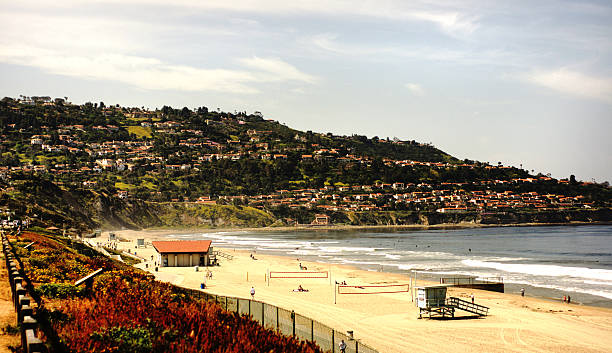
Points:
[522,292]
[569,299]
[342,346]
[472,298]
[253,293]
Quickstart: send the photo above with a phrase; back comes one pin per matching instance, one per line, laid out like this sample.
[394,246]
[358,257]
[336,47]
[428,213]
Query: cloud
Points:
[415,89]
[572,82]
[450,19]
[332,43]
[153,74]
[277,70]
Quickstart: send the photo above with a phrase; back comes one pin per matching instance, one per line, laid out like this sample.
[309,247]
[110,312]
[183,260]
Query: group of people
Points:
[567,299]
[300,289]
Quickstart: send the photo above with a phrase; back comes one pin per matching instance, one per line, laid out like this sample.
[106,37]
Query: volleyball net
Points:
[299,274]
[373,289]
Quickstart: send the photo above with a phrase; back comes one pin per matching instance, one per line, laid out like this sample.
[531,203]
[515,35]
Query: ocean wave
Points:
[566,288]
[598,283]
[544,270]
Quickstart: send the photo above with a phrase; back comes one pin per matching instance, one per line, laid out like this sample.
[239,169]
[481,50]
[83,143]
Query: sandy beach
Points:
[389,322]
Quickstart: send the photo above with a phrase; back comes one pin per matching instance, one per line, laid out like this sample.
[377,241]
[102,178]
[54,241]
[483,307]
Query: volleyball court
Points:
[373,289]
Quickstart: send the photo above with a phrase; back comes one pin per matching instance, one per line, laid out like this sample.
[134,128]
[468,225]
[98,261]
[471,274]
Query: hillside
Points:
[90,166]
[124,309]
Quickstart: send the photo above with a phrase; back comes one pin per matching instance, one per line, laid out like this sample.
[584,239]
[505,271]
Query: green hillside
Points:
[110,166]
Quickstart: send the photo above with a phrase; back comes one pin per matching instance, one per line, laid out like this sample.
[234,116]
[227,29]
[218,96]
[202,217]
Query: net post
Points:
[335,294]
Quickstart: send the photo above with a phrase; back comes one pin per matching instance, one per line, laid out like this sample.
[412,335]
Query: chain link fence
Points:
[288,323]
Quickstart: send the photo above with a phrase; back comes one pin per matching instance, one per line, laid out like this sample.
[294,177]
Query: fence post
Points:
[293,322]
[250,307]
[277,324]
[333,341]
[263,315]
[225,303]
[312,330]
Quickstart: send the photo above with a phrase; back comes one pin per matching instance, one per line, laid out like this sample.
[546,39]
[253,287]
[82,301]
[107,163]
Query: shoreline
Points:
[303,227]
[544,293]
[383,321]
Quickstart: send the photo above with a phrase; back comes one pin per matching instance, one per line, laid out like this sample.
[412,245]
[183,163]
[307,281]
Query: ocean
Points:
[548,261]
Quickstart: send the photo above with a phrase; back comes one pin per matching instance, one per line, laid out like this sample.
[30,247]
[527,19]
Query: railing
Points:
[471,280]
[222,254]
[467,306]
[22,300]
[283,321]
[287,322]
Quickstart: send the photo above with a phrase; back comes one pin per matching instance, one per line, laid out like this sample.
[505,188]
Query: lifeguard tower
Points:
[431,300]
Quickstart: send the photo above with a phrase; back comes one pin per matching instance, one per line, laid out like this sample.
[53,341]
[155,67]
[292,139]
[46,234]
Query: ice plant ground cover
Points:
[128,311]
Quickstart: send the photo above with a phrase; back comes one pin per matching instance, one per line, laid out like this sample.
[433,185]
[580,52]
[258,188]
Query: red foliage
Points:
[129,311]
[175,323]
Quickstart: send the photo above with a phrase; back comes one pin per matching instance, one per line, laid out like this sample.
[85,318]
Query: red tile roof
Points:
[182,246]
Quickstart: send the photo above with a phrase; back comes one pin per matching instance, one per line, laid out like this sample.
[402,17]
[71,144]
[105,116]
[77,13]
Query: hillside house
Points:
[321,220]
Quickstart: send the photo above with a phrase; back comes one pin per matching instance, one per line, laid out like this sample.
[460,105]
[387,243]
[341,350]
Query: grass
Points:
[123,186]
[42,159]
[140,131]
[149,185]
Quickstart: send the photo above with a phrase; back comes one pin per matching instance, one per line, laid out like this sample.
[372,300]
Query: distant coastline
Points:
[161,231]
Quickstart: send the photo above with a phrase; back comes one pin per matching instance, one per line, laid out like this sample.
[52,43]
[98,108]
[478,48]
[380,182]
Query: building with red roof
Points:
[174,253]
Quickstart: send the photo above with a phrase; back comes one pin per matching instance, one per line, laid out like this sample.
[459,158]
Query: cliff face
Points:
[564,216]
[501,218]
[48,204]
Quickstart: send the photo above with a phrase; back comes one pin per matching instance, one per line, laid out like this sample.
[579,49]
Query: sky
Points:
[524,83]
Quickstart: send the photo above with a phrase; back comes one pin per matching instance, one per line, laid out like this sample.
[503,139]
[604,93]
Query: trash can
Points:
[202,285]
[197,269]
[155,268]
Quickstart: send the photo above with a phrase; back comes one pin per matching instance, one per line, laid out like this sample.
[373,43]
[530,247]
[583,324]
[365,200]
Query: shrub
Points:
[60,290]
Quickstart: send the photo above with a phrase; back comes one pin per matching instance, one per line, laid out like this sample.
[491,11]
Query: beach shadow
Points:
[448,318]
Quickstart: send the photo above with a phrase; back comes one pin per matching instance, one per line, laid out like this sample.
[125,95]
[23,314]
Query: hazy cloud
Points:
[450,19]
[572,82]
[415,89]
[151,73]
[277,70]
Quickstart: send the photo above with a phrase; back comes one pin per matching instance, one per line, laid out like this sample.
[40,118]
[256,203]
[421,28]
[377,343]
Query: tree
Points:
[573,180]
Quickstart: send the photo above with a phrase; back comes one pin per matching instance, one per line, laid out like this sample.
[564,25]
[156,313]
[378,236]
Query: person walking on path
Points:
[342,346]
[253,293]
[522,292]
